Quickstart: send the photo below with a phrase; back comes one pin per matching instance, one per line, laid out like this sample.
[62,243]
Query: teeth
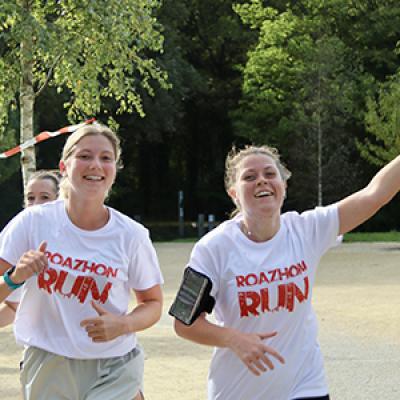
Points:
[262,194]
[93,178]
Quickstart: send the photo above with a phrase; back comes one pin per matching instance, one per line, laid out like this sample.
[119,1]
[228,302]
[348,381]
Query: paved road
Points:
[357,299]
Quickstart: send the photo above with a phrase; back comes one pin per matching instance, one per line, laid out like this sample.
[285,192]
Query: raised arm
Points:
[362,205]
[249,347]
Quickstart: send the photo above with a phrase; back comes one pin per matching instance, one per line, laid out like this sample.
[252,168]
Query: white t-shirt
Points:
[101,265]
[267,287]
[15,295]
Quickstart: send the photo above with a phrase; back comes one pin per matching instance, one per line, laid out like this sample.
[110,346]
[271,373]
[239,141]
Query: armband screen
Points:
[193,297]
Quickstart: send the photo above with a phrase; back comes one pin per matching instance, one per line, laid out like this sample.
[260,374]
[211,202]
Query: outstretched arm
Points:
[362,205]
[249,347]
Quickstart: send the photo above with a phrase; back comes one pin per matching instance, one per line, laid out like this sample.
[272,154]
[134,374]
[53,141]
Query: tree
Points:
[383,124]
[182,142]
[301,85]
[92,50]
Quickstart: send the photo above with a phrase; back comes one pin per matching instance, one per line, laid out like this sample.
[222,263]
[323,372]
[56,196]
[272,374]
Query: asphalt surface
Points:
[357,300]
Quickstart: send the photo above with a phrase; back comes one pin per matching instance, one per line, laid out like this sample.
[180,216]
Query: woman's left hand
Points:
[105,327]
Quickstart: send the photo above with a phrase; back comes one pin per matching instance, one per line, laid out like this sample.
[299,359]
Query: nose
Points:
[95,162]
[261,179]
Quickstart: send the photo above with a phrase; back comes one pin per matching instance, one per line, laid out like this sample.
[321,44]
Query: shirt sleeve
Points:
[14,296]
[321,228]
[144,269]
[15,238]
[202,260]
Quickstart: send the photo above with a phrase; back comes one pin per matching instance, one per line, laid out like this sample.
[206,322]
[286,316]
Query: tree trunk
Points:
[319,141]
[27,100]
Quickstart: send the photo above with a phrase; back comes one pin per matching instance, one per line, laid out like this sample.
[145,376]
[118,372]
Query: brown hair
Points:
[51,175]
[235,156]
[76,137]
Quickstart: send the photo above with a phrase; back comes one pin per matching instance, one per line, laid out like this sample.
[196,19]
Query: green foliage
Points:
[183,140]
[8,140]
[391,236]
[383,124]
[292,70]
[306,83]
[93,49]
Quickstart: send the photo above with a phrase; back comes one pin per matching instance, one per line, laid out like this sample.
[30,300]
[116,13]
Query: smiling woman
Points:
[256,181]
[259,268]
[77,261]
[93,149]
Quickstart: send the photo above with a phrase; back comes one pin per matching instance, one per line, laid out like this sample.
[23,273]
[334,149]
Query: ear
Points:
[285,186]
[233,195]
[62,167]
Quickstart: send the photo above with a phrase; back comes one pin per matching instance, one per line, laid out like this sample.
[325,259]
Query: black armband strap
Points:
[193,297]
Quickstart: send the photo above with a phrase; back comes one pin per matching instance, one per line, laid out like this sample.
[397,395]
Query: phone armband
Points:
[193,297]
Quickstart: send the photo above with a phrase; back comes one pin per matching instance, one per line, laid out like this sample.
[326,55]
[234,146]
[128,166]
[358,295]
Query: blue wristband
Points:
[12,285]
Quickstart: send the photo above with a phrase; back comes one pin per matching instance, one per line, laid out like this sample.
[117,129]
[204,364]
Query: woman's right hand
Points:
[32,262]
[253,352]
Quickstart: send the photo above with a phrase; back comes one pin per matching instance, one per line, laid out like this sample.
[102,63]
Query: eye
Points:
[249,177]
[107,158]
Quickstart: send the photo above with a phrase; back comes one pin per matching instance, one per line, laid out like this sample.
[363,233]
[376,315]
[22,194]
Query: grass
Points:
[167,231]
[392,236]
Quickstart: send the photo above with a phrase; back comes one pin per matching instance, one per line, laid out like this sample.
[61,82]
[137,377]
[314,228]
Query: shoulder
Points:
[128,224]
[218,239]
[46,208]
[37,211]
[309,216]
[219,233]
[318,227]
[52,212]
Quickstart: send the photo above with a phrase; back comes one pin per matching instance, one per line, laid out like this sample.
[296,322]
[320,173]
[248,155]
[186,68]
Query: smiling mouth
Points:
[263,194]
[94,178]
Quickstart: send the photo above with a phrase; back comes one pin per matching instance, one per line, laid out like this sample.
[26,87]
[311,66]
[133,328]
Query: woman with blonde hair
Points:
[77,261]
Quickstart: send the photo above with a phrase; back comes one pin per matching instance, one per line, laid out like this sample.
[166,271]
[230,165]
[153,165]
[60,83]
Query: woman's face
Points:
[39,191]
[259,188]
[91,168]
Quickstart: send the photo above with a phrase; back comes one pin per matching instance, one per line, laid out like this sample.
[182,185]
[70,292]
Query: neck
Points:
[260,230]
[87,215]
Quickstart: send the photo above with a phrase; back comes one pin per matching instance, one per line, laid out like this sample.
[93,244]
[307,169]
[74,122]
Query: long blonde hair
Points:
[76,137]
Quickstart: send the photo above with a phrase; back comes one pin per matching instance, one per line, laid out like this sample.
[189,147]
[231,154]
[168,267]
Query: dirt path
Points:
[357,299]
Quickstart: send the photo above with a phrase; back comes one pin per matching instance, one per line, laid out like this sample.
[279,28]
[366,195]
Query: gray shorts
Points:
[48,376]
